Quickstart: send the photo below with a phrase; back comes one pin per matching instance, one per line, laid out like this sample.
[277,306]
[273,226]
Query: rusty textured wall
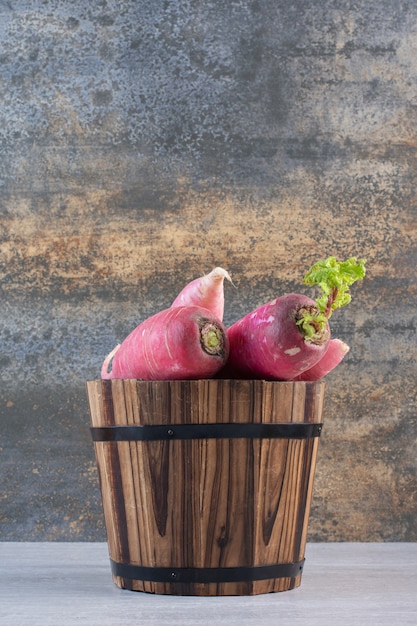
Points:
[143,143]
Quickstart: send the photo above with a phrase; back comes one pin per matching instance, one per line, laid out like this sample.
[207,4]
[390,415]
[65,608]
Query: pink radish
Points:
[284,338]
[206,291]
[268,343]
[185,342]
[334,354]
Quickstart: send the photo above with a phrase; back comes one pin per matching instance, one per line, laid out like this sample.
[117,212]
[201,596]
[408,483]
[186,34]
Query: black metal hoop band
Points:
[206,574]
[207,431]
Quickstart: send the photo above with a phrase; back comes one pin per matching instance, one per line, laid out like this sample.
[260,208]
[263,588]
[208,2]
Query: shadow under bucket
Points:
[206,484]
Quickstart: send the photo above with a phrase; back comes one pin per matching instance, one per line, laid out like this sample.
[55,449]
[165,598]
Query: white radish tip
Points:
[343,345]
[219,272]
[105,373]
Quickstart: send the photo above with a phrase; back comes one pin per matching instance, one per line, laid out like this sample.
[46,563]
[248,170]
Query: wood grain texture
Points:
[206,503]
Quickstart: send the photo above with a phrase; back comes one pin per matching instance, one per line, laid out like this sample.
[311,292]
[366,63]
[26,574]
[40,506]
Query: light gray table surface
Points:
[61,584]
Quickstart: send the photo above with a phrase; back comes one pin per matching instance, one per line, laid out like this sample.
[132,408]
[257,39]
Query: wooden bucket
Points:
[206,484]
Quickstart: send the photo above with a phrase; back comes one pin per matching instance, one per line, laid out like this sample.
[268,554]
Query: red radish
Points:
[185,342]
[268,343]
[206,291]
[288,336]
[334,354]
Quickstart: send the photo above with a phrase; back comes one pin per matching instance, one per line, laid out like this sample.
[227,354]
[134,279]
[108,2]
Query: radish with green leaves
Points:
[186,342]
[288,336]
[206,291]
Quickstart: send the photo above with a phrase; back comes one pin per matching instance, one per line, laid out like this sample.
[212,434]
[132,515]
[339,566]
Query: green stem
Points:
[330,301]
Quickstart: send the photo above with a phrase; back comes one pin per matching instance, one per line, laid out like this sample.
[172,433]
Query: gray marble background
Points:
[143,143]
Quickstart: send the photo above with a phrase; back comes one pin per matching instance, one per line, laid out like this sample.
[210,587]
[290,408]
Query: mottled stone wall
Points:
[143,143]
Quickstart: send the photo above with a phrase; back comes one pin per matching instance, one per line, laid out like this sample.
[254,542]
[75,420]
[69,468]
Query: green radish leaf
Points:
[334,279]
